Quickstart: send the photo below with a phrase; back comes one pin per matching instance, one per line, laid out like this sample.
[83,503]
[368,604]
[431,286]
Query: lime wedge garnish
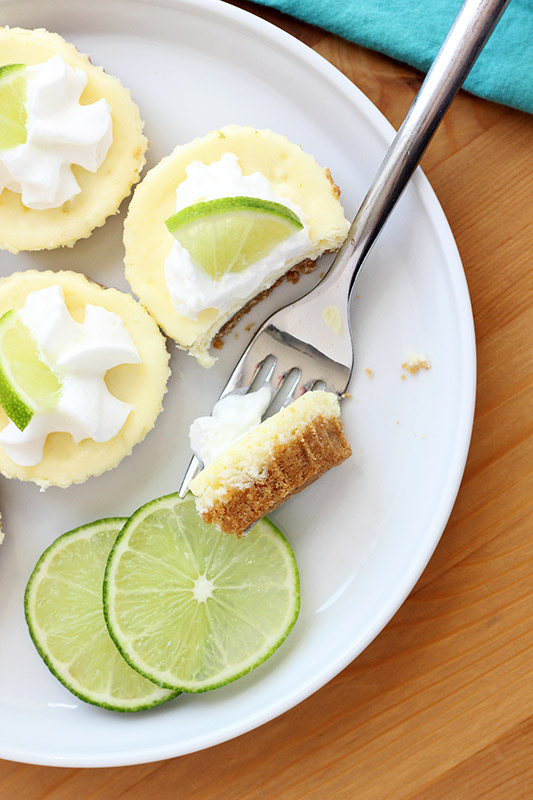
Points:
[13,115]
[230,234]
[27,383]
[192,608]
[65,617]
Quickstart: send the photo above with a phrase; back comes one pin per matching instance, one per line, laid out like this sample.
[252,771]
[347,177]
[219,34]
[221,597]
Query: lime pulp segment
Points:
[27,383]
[13,114]
[192,608]
[231,233]
[64,612]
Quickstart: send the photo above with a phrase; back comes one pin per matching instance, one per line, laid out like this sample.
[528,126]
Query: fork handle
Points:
[472,27]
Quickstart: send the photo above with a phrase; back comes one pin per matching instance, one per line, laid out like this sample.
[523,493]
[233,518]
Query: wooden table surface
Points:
[440,705]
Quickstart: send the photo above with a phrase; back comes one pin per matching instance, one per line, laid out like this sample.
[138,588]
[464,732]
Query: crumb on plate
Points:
[415,362]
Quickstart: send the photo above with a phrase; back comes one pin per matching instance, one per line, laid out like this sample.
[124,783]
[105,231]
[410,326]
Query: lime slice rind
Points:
[222,205]
[27,383]
[13,114]
[64,613]
[229,234]
[172,638]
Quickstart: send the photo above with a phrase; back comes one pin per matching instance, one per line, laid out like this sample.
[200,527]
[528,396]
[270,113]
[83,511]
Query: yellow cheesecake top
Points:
[22,228]
[291,173]
[142,385]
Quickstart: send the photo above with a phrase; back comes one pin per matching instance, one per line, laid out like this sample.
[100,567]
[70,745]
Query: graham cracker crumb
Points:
[334,188]
[302,268]
[416,362]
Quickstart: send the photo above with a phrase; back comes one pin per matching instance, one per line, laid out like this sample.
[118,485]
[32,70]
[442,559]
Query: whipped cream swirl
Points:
[60,133]
[192,290]
[81,354]
[233,417]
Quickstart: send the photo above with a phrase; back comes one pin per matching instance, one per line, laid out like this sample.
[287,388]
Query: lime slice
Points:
[192,608]
[27,383]
[65,617]
[13,115]
[229,234]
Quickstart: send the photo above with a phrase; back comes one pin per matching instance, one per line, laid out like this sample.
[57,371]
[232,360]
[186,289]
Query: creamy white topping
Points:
[232,418]
[81,354]
[192,290]
[60,133]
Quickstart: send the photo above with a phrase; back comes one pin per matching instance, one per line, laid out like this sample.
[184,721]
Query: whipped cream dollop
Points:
[80,353]
[60,133]
[192,290]
[233,417]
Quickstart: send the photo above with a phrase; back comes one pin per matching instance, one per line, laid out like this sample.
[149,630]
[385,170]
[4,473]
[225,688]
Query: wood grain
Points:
[440,705]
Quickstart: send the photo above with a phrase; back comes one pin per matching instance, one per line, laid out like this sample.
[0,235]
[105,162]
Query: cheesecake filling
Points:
[192,290]
[61,133]
[275,460]
[233,416]
[80,354]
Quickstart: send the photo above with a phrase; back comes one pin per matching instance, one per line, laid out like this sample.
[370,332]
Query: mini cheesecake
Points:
[142,384]
[101,192]
[275,460]
[291,173]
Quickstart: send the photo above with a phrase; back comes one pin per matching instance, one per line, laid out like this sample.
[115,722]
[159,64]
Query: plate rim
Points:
[249,22]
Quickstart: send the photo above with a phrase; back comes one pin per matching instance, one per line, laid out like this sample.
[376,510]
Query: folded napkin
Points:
[413,30]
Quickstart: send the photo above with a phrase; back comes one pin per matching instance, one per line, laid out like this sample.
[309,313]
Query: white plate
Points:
[363,534]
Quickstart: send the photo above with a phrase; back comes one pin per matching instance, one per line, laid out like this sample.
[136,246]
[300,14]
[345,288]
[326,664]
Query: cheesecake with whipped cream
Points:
[83,151]
[112,364]
[234,161]
[271,462]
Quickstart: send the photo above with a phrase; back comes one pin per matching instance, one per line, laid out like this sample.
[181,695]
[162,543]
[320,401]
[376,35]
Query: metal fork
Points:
[296,349]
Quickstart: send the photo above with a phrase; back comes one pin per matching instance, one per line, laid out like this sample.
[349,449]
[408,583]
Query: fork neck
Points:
[472,27]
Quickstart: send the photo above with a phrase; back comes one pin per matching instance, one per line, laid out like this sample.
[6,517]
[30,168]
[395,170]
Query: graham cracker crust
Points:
[292,275]
[292,467]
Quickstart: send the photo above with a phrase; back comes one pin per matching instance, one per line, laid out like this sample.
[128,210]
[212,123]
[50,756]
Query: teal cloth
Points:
[413,30]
